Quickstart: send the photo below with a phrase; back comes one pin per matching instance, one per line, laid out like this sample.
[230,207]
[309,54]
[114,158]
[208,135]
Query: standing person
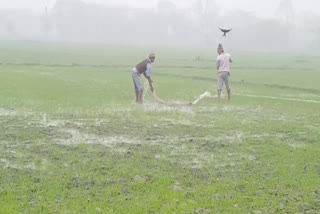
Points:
[144,68]
[223,67]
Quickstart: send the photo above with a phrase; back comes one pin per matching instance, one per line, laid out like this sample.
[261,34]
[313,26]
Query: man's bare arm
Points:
[150,83]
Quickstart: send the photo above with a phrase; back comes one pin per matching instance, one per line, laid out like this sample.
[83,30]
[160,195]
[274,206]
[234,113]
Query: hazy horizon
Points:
[259,8]
[262,25]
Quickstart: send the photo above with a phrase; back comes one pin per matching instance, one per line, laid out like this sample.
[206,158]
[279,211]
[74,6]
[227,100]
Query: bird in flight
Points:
[225,32]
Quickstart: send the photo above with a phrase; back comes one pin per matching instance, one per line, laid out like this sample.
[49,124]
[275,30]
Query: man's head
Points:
[220,49]
[152,57]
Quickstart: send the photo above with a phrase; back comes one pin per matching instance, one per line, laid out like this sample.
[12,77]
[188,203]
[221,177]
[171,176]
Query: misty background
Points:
[256,25]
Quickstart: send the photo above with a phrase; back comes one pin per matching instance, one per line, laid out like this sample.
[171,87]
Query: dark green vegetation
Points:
[71,141]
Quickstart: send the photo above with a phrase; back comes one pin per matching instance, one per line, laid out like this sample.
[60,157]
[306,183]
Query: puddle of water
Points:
[109,141]
[7,112]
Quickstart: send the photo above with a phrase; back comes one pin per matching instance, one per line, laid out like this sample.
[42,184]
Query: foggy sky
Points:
[259,7]
[256,24]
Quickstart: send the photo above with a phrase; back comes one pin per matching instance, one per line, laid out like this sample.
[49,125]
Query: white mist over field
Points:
[256,25]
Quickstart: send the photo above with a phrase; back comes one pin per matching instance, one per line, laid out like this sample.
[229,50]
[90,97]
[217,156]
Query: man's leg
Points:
[137,96]
[220,85]
[135,87]
[227,82]
[219,93]
[138,87]
[140,95]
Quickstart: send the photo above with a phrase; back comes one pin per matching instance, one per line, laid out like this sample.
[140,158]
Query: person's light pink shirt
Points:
[223,62]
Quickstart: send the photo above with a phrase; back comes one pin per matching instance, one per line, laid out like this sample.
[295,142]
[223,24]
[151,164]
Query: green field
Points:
[73,141]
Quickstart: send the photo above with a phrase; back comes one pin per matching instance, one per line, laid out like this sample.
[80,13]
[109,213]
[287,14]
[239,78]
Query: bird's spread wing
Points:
[224,30]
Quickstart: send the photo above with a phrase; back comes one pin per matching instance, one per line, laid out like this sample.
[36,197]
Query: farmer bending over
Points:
[144,68]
